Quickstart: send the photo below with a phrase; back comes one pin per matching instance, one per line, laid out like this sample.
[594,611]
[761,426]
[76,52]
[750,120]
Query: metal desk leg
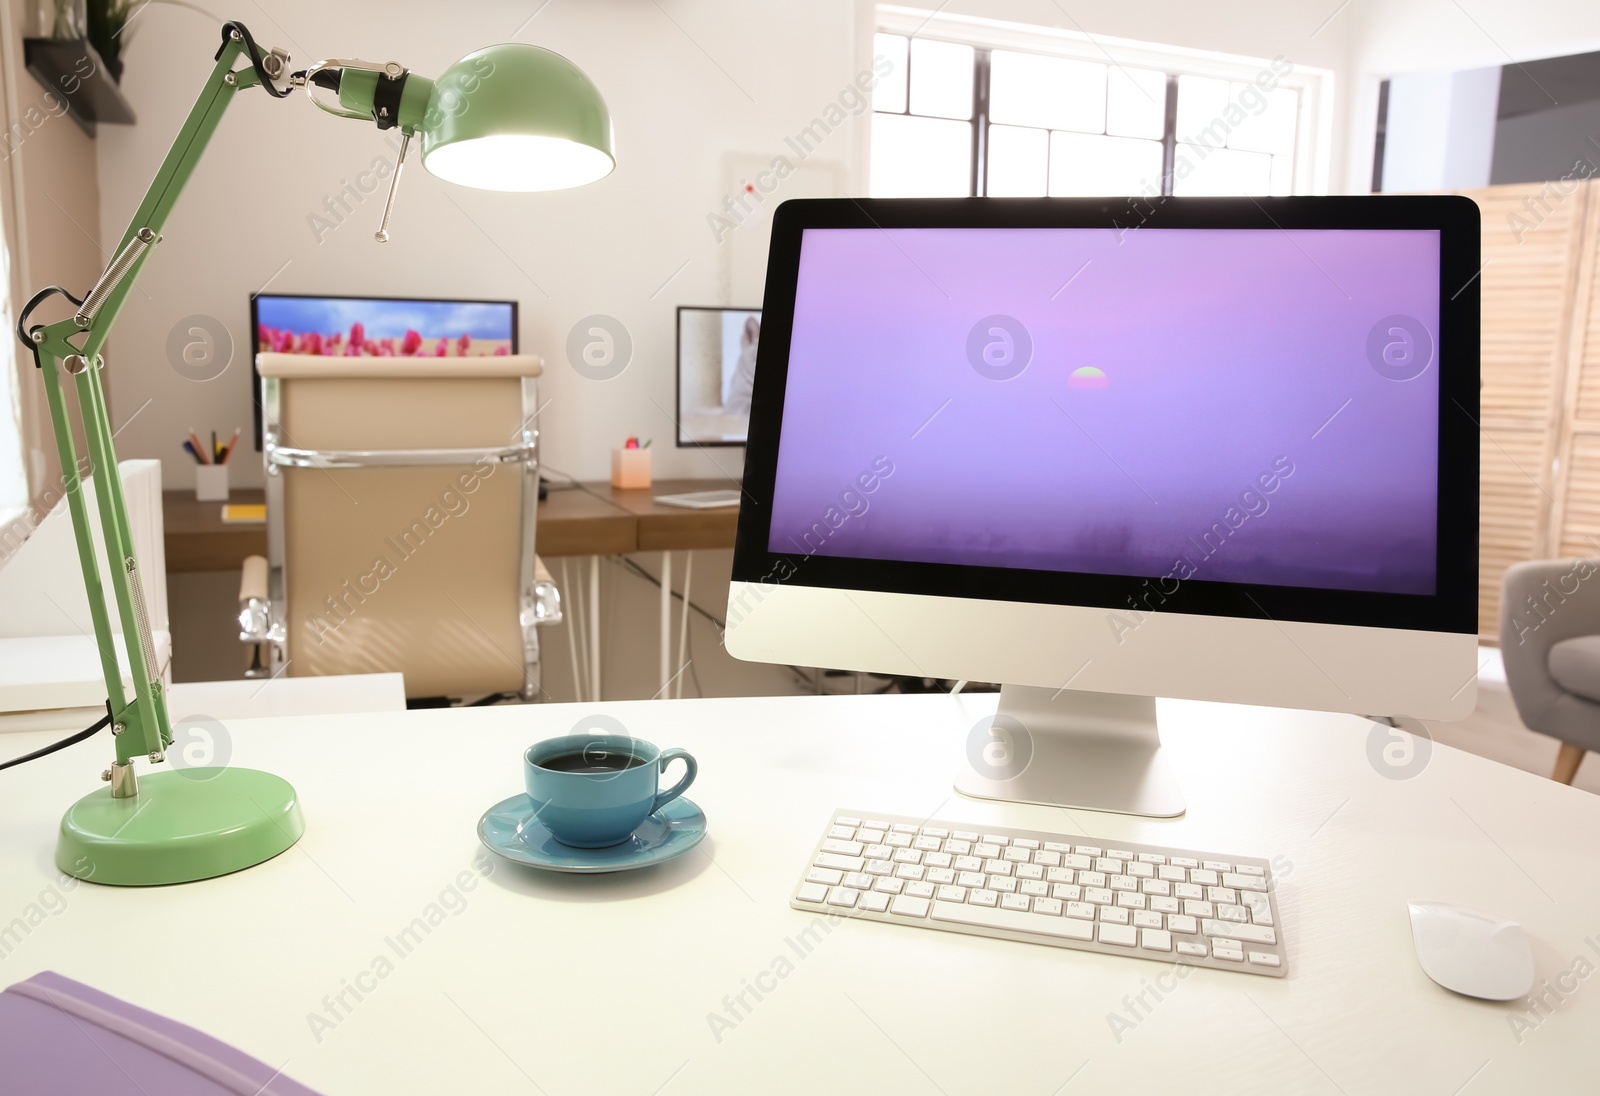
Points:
[683,627]
[666,621]
[594,628]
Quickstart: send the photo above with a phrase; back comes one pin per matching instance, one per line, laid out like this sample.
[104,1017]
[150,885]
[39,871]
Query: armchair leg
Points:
[1567,762]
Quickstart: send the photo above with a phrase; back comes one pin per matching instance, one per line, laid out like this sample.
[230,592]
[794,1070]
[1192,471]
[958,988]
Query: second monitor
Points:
[716,374]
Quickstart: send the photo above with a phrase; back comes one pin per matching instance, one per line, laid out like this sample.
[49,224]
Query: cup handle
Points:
[667,757]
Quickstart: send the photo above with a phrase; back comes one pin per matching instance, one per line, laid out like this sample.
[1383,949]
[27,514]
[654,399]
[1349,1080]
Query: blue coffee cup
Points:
[593,790]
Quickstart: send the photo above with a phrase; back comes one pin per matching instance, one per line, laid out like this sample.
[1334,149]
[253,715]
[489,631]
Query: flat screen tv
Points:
[337,326]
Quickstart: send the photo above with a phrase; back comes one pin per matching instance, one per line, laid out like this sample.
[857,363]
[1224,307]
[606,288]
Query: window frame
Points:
[1313,123]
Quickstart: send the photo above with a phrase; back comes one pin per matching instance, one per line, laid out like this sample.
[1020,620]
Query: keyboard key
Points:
[844,848]
[1217,865]
[1084,910]
[869,836]
[898,840]
[952,894]
[1155,940]
[1015,902]
[1199,909]
[910,871]
[878,852]
[845,820]
[904,827]
[1067,892]
[1025,842]
[859,880]
[971,879]
[1130,901]
[937,859]
[1141,871]
[1047,859]
[1244,882]
[1251,869]
[1204,877]
[1088,850]
[996,839]
[1183,861]
[1075,861]
[1187,890]
[1049,907]
[879,867]
[1017,855]
[907,856]
[1199,951]
[1263,959]
[876,824]
[1113,915]
[927,844]
[907,906]
[941,875]
[1152,858]
[1172,874]
[842,863]
[997,867]
[1222,894]
[920,890]
[1108,864]
[1059,875]
[1255,934]
[824,875]
[811,892]
[1184,924]
[1124,883]
[967,863]
[1122,935]
[985,850]
[1038,888]
[1098,895]
[935,831]
[956,847]
[846,833]
[1260,908]
[1155,886]
[1004,884]
[983,898]
[1092,878]
[964,835]
[1144,919]
[873,901]
[843,896]
[1164,905]
[1057,846]
[889,886]
[1232,913]
[1120,854]
[1219,950]
[1029,871]
[1014,920]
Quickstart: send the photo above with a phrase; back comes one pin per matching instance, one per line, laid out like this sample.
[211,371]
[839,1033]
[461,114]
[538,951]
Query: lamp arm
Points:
[139,723]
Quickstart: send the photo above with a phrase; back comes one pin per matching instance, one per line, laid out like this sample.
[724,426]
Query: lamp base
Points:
[182,826]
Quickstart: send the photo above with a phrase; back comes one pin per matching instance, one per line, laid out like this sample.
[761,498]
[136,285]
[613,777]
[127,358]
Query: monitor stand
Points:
[1060,747]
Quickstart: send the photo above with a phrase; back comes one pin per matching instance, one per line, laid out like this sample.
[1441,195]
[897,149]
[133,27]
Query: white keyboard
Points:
[1146,901]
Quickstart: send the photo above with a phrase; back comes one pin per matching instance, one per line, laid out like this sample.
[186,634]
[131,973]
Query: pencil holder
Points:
[211,483]
[630,468]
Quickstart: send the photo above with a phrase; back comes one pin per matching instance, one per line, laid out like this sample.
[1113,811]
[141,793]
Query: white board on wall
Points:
[742,256]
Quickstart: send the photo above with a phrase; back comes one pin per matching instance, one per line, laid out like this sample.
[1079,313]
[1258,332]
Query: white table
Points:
[605,984]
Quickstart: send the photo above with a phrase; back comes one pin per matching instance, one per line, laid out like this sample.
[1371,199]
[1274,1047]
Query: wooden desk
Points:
[674,528]
[197,540]
[571,523]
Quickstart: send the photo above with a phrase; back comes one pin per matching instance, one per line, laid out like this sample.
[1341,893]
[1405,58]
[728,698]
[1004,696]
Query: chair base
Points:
[1567,762]
[182,826]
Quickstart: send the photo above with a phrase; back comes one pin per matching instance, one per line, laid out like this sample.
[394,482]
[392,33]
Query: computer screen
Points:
[340,326]
[1238,405]
[716,374]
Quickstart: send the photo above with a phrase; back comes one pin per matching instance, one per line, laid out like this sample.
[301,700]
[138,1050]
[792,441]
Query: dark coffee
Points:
[591,761]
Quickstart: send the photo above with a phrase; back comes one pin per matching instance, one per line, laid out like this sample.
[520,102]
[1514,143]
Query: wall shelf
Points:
[60,64]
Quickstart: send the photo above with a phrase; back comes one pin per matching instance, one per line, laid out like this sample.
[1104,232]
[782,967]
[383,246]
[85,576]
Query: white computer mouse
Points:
[1471,951]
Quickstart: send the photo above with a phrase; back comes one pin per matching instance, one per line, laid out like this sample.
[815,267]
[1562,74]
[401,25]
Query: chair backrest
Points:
[401,502]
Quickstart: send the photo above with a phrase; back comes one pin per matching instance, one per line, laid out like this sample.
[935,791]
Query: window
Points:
[13,479]
[968,108]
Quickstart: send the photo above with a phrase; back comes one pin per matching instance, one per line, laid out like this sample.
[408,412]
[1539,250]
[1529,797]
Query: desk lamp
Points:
[508,117]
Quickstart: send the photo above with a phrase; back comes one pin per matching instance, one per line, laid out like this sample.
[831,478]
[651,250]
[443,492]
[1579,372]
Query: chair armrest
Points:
[255,610]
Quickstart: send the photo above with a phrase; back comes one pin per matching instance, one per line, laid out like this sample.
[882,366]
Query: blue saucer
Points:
[510,829]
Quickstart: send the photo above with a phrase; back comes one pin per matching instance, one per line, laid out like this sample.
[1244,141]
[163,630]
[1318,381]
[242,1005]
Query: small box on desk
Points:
[630,468]
[211,483]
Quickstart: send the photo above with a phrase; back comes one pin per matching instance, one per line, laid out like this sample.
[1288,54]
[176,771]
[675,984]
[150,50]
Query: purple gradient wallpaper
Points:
[1231,405]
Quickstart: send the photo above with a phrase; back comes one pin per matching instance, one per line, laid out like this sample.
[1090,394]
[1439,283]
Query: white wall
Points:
[687,90]
[1394,37]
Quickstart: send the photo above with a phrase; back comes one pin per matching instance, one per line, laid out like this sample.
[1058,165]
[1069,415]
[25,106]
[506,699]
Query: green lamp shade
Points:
[516,117]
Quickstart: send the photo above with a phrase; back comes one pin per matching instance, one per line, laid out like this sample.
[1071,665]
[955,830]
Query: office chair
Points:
[1550,641]
[402,500]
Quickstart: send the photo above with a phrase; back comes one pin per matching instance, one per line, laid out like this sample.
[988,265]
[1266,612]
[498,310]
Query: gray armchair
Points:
[1550,641]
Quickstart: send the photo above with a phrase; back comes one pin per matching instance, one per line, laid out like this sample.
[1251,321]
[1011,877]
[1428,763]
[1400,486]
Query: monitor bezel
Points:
[255,328]
[677,375]
[1453,607]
